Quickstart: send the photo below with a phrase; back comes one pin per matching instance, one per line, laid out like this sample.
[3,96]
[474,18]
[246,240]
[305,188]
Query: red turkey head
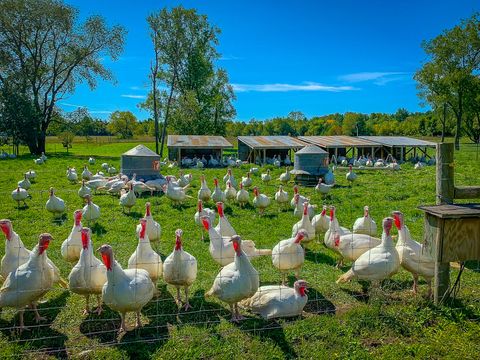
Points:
[295,189]
[301,287]
[324,211]
[365,211]
[220,209]
[200,206]
[301,234]
[43,242]
[398,219]
[387,225]
[178,239]
[255,191]
[85,237]
[336,240]
[215,181]
[107,256]
[6,226]
[206,222]
[236,242]
[296,197]
[143,224]
[147,210]
[77,217]
[305,208]
[332,213]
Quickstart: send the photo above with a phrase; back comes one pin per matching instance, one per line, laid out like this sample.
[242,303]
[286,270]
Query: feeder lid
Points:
[140,150]
[311,149]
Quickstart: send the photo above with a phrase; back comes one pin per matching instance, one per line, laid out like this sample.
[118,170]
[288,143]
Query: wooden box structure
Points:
[180,146]
[452,231]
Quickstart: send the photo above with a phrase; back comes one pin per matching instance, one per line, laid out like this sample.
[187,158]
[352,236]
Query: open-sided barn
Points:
[180,146]
[400,146]
[342,145]
[260,148]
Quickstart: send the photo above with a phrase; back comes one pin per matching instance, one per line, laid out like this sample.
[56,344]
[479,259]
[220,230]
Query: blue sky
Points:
[318,57]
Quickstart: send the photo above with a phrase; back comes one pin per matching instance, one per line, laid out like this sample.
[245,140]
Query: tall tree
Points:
[198,95]
[454,57]
[123,124]
[47,51]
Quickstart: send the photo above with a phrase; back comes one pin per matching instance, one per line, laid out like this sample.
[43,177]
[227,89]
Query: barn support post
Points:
[445,194]
[264,156]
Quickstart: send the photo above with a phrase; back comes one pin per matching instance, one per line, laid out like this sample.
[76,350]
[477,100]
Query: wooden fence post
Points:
[445,195]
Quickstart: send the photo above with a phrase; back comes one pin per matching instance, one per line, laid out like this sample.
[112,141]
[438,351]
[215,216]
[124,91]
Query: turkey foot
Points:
[138,323]
[237,314]
[123,326]
[38,318]
[187,304]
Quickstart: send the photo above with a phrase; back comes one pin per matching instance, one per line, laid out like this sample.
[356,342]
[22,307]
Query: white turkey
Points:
[247,181]
[321,222]
[72,175]
[84,190]
[323,188]
[304,224]
[218,194]
[144,257]
[223,227]
[289,255]
[25,183]
[281,197]
[125,290]
[91,161]
[31,174]
[175,193]
[29,282]
[55,205]
[236,281]
[260,201]
[298,211]
[20,195]
[154,230]
[365,224]
[285,177]
[184,179]
[222,250]
[378,263]
[301,199]
[243,197]
[351,176]
[180,269]
[278,301]
[230,192]
[72,245]
[128,199]
[266,177]
[91,211]
[89,274]
[201,212]
[334,228]
[86,174]
[413,256]
[229,177]
[329,177]
[213,162]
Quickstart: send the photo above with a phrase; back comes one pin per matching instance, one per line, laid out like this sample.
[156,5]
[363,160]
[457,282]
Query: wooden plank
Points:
[467,192]
[453,211]
[461,240]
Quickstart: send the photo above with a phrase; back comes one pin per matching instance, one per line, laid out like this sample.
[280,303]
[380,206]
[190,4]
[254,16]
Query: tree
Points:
[46,51]
[184,56]
[454,57]
[123,124]
[67,139]
[472,110]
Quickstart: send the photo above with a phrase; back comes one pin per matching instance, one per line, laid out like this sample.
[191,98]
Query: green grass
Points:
[340,321]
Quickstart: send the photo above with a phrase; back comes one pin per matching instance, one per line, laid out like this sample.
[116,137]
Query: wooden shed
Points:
[257,149]
[180,146]
[400,146]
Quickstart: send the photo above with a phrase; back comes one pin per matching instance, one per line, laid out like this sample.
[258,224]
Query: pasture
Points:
[340,321]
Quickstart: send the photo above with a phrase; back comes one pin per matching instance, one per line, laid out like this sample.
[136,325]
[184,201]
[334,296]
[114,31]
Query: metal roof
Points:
[338,141]
[271,142]
[140,150]
[311,149]
[198,141]
[394,141]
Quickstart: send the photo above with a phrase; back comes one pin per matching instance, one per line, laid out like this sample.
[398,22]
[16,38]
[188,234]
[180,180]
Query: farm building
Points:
[141,161]
[400,146]
[342,145]
[311,162]
[180,146]
[260,148]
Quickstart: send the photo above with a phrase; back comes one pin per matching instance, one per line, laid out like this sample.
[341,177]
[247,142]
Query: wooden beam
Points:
[467,192]
[445,195]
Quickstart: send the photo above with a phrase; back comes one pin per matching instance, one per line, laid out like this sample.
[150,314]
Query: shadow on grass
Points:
[134,215]
[97,228]
[319,304]
[319,257]
[39,337]
[473,265]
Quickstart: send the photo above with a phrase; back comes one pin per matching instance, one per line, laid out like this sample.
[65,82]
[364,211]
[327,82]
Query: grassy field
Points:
[341,321]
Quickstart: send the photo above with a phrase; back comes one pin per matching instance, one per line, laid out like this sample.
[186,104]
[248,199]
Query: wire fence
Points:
[66,331]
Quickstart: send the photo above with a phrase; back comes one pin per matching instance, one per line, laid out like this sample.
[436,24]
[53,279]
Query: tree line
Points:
[46,50]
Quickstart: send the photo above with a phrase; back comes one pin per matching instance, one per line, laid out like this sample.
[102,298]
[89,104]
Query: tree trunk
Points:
[165,123]
[41,140]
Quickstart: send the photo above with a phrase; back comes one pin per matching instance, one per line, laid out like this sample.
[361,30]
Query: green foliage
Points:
[46,50]
[66,138]
[122,124]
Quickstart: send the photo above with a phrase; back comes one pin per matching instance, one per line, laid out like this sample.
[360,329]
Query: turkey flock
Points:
[29,274]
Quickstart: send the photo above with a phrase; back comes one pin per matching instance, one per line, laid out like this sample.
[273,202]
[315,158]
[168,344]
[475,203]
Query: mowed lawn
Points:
[341,321]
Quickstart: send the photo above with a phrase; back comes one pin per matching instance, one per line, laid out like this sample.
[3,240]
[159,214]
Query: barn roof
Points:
[399,141]
[311,149]
[198,141]
[338,141]
[271,142]
[140,150]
